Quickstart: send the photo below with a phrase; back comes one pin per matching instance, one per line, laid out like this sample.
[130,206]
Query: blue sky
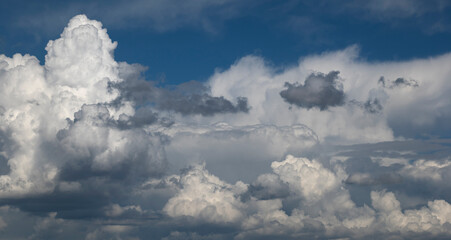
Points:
[190,46]
[225,119]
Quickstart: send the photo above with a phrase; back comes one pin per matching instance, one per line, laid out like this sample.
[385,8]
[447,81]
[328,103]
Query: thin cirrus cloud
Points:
[156,15]
[92,150]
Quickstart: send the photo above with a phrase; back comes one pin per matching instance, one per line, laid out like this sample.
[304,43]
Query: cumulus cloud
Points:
[205,197]
[91,146]
[325,207]
[319,90]
[434,218]
[402,109]
[65,121]
[60,135]
[88,145]
[307,177]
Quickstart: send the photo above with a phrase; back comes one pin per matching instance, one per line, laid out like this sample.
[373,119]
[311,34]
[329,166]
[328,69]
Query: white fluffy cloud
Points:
[38,101]
[205,197]
[435,218]
[82,138]
[324,208]
[406,110]
[306,177]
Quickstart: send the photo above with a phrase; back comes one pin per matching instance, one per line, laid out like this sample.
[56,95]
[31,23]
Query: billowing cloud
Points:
[435,218]
[319,90]
[90,149]
[207,198]
[308,178]
[407,110]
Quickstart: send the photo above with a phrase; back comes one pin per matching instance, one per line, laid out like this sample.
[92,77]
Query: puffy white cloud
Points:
[324,208]
[57,116]
[335,214]
[79,66]
[75,145]
[435,218]
[307,178]
[404,110]
[206,198]
[24,94]
[328,212]
[428,170]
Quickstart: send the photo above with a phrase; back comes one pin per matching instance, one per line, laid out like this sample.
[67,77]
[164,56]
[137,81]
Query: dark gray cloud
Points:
[367,179]
[138,154]
[319,90]
[372,105]
[268,186]
[191,98]
[7,148]
[99,162]
[204,104]
[399,82]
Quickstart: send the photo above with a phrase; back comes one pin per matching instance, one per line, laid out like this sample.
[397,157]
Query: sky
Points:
[225,119]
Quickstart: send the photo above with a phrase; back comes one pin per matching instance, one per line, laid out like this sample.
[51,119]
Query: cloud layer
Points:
[88,145]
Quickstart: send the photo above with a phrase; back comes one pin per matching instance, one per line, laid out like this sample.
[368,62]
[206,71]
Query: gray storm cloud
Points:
[89,149]
[191,98]
[187,99]
[319,90]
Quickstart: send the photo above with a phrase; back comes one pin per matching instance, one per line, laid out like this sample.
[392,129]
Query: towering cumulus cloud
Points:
[326,149]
